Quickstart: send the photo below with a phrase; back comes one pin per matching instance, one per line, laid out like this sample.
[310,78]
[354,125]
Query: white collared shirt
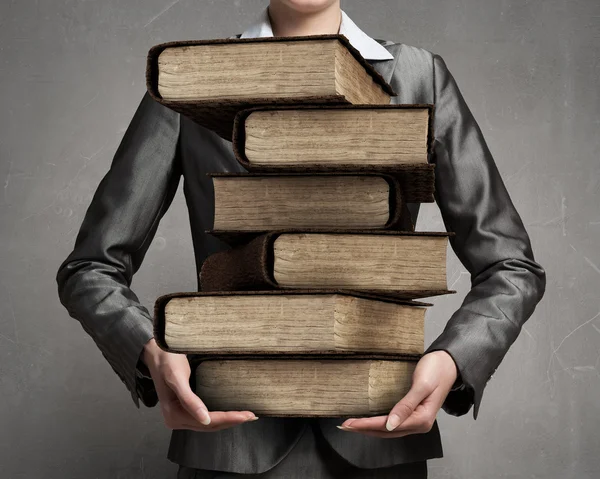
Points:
[368,48]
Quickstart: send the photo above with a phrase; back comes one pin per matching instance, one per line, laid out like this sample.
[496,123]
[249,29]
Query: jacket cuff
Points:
[144,385]
[127,363]
[458,384]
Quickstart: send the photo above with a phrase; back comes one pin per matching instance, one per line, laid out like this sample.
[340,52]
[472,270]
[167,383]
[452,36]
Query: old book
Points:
[303,387]
[402,264]
[261,202]
[296,322]
[210,80]
[333,136]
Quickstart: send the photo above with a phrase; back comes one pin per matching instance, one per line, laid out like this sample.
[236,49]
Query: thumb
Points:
[190,401]
[406,406]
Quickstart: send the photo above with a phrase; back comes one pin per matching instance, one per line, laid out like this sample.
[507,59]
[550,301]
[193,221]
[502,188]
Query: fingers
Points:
[384,434]
[190,401]
[188,411]
[406,406]
[375,426]
[419,422]
[376,422]
[221,420]
[181,407]
[177,417]
[200,416]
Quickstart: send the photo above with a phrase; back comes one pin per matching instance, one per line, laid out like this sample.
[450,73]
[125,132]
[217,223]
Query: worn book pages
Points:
[303,387]
[380,262]
[337,136]
[262,203]
[241,70]
[287,323]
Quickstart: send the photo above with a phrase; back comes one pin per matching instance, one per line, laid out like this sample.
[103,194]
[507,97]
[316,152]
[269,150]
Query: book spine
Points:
[400,217]
[241,268]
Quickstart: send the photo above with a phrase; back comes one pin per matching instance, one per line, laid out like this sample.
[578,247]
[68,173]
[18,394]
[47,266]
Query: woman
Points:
[490,240]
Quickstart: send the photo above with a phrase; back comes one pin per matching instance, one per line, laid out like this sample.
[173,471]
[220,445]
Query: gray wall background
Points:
[71,76]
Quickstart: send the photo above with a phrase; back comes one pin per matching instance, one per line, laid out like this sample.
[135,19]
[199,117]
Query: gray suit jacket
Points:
[160,147]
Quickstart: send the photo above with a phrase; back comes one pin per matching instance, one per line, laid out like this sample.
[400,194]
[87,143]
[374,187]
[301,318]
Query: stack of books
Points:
[311,310]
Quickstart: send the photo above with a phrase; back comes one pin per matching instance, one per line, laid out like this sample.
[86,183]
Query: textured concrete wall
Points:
[71,76]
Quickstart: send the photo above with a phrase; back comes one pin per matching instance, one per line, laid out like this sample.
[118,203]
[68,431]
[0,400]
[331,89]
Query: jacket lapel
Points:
[386,68]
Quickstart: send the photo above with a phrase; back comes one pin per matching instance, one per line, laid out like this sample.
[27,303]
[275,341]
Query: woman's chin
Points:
[308,6]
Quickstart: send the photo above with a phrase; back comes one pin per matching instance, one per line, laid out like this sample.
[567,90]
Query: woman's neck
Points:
[286,22]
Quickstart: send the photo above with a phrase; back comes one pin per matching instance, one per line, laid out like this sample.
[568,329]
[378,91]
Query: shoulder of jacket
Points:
[412,71]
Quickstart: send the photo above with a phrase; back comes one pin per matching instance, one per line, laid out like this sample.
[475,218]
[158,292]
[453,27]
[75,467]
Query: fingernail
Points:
[392,422]
[205,417]
[254,418]
[344,428]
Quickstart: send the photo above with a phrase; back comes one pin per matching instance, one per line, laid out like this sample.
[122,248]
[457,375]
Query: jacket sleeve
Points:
[490,241]
[118,227]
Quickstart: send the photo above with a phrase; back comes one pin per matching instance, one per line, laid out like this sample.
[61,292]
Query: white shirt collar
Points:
[368,48]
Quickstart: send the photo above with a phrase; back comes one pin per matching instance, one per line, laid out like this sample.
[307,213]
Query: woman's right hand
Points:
[180,406]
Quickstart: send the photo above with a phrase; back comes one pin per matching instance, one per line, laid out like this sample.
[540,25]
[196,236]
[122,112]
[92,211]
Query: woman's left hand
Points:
[415,413]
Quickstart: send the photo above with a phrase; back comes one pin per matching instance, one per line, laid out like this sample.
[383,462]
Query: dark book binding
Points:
[218,116]
[416,181]
[400,218]
[248,265]
[161,302]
